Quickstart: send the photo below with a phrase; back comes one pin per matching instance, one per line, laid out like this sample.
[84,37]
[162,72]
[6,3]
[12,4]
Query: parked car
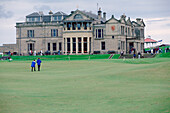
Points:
[111,52]
[96,52]
[47,53]
[55,53]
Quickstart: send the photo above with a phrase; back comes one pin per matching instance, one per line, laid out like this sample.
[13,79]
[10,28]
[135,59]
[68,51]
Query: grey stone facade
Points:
[79,33]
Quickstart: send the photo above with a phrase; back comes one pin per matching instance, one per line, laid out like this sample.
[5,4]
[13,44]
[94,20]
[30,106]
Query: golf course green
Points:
[86,86]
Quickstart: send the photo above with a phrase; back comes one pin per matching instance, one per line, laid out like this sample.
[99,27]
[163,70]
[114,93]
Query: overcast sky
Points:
[156,13]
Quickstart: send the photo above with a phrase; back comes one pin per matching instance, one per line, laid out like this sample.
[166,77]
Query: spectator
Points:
[38,64]
[33,65]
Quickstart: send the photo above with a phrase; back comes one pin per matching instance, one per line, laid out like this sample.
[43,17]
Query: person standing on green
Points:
[33,65]
[39,63]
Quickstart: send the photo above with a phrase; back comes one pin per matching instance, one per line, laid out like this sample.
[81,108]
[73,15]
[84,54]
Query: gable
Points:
[122,21]
[77,16]
[112,21]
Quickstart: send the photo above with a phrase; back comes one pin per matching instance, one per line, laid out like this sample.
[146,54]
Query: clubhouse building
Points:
[80,32]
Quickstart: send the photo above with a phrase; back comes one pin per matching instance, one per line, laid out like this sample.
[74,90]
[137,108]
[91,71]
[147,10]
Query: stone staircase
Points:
[110,57]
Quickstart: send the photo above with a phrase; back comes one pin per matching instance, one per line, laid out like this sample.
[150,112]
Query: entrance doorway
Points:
[30,47]
[131,45]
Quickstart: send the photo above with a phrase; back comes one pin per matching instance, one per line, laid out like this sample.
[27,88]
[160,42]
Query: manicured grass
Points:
[163,55]
[86,86]
[63,57]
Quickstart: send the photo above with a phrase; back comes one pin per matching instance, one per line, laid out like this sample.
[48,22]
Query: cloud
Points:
[158,28]
[4,13]
[42,8]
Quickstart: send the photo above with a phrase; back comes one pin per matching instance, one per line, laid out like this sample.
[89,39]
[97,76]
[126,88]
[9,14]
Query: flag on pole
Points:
[149,36]
[159,40]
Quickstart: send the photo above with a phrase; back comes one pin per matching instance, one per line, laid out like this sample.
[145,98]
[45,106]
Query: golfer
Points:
[38,64]
[33,65]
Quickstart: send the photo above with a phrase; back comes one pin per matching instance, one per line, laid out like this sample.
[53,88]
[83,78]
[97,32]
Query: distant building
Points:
[9,47]
[150,43]
[80,32]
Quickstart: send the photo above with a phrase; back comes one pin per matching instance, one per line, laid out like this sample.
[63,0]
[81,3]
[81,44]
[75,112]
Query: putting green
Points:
[86,86]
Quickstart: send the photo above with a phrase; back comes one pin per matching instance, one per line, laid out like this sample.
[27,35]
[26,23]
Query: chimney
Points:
[72,12]
[104,15]
[99,14]
[138,20]
[50,13]
[123,16]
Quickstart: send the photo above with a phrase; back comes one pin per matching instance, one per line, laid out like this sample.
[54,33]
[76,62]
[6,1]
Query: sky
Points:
[155,13]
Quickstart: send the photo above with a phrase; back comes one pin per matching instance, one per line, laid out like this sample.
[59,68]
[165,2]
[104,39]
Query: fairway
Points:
[86,86]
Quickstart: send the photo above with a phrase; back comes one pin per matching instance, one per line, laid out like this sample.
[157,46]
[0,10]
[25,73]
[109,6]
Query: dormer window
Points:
[33,19]
[57,18]
[78,16]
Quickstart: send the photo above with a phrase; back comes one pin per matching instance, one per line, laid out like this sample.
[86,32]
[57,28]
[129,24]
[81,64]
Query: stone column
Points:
[65,45]
[71,45]
[51,47]
[82,45]
[88,28]
[88,45]
[76,45]
[71,26]
[65,26]
[82,26]
[76,26]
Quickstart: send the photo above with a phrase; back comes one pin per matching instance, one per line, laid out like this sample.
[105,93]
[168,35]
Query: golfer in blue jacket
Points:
[33,65]
[38,64]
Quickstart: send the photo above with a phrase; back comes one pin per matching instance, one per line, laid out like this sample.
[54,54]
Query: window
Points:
[113,37]
[96,33]
[54,32]
[90,44]
[103,45]
[57,18]
[68,45]
[137,32]
[33,19]
[60,46]
[99,33]
[142,32]
[85,44]
[74,45]
[78,16]
[68,26]
[132,32]
[48,46]
[128,31]
[79,26]
[79,45]
[54,46]
[73,26]
[122,45]
[122,30]
[64,45]
[119,43]
[85,25]
[30,33]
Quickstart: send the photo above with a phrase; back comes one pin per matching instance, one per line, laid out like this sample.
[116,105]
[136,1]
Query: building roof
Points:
[34,14]
[60,13]
[150,40]
[92,15]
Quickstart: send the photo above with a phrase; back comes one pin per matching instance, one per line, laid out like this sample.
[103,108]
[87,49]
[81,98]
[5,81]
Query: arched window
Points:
[78,16]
